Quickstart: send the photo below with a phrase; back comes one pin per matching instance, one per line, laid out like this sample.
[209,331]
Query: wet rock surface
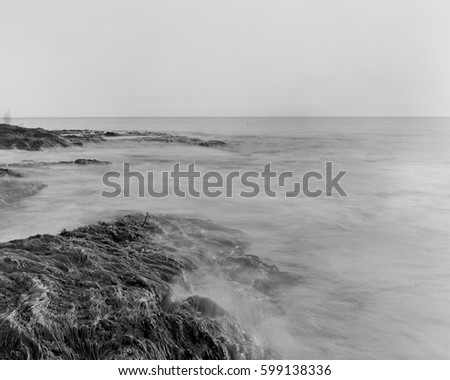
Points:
[5,172]
[34,139]
[104,291]
[77,137]
[14,137]
[89,161]
[79,161]
[162,137]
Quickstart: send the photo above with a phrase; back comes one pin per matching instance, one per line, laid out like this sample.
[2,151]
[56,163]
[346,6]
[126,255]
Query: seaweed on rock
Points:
[14,137]
[104,292]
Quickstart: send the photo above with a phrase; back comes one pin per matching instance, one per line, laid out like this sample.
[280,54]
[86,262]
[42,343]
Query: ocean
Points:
[374,266]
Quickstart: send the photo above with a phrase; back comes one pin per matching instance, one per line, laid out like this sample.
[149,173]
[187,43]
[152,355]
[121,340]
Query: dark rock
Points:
[111,134]
[212,143]
[250,269]
[103,292]
[168,138]
[88,161]
[205,306]
[80,137]
[14,137]
[4,172]
[80,161]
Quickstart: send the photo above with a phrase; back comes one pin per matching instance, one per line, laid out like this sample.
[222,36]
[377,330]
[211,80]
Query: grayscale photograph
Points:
[224,179]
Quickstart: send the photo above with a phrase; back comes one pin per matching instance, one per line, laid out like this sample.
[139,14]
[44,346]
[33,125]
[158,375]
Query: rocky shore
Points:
[109,290]
[14,137]
[5,172]
[104,291]
[34,139]
[31,163]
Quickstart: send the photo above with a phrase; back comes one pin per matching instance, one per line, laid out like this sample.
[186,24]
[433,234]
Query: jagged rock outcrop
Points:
[15,137]
[78,161]
[104,292]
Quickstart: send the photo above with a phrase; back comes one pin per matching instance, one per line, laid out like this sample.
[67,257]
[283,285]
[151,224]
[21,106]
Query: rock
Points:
[79,161]
[212,143]
[88,161]
[4,172]
[250,269]
[162,137]
[79,138]
[111,134]
[14,137]
[104,292]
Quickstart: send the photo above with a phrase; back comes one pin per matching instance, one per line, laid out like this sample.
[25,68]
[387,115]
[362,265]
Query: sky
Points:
[69,58]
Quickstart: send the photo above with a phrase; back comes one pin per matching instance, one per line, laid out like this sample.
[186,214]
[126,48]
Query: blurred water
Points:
[375,266]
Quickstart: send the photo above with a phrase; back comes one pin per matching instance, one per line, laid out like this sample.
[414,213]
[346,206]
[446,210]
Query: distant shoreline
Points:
[15,137]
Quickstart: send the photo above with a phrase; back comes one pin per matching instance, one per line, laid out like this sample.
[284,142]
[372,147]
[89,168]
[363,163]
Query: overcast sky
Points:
[225,57]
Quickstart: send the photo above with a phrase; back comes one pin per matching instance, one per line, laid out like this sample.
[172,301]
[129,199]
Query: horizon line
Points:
[220,117]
